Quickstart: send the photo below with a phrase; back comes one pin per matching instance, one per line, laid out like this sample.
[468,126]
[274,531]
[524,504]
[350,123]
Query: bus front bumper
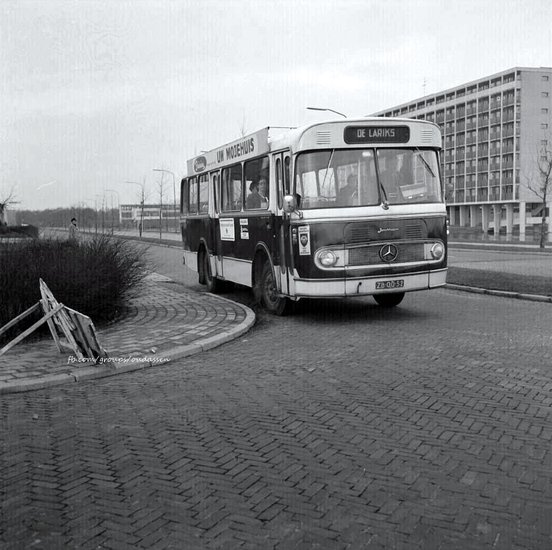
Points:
[317,288]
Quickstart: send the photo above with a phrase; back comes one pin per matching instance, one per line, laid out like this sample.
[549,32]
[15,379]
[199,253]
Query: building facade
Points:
[494,130]
[151,216]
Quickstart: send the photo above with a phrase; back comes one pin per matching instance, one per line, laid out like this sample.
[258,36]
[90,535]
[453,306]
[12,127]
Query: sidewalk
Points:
[165,323]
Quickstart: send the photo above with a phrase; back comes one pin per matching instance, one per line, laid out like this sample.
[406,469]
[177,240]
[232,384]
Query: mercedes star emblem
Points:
[388,253]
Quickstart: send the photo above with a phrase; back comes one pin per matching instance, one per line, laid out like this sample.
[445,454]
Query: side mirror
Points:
[290,204]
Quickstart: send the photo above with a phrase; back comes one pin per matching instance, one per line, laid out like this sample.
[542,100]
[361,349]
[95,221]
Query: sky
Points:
[98,93]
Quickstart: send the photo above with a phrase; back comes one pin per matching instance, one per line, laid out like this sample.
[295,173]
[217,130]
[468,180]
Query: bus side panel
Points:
[255,230]
[239,237]
[194,231]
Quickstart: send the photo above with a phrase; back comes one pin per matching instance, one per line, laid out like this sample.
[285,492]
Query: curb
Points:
[501,293]
[103,371]
[500,247]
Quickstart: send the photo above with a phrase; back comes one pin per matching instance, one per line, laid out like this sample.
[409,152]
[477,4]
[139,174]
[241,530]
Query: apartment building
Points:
[494,130]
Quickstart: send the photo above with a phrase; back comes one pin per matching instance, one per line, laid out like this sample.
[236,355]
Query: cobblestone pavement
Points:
[165,321]
[344,426]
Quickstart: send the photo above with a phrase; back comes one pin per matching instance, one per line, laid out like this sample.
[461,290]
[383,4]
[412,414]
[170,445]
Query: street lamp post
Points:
[174,194]
[118,209]
[142,199]
[326,109]
[87,205]
[103,219]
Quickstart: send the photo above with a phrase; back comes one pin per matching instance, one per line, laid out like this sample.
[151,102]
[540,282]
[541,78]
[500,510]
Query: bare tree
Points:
[6,199]
[243,126]
[542,187]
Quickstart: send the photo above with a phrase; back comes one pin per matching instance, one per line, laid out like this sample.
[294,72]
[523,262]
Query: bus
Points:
[345,208]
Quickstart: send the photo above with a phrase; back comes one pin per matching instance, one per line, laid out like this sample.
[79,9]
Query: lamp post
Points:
[142,199]
[326,109]
[87,204]
[174,194]
[103,214]
[118,208]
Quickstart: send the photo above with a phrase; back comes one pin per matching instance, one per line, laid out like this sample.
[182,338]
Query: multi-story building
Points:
[494,130]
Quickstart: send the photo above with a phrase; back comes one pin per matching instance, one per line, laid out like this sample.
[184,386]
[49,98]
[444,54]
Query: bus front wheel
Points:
[389,300]
[201,267]
[270,299]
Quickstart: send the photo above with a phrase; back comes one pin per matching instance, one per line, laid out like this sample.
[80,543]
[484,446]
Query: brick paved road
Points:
[345,426]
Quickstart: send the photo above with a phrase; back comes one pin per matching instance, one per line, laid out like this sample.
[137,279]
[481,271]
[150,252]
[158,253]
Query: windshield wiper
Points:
[426,164]
[385,201]
[383,193]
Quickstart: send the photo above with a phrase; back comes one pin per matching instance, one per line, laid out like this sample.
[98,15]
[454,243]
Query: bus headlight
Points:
[434,251]
[326,257]
[437,251]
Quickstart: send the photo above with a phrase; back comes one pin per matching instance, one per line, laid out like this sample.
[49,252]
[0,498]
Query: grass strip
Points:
[496,280]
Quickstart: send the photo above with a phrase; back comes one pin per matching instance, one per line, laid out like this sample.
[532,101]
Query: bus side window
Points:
[257,184]
[287,178]
[203,194]
[192,196]
[184,196]
[215,191]
[232,188]
[279,181]
[287,182]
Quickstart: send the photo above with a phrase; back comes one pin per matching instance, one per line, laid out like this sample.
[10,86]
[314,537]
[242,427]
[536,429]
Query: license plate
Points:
[396,283]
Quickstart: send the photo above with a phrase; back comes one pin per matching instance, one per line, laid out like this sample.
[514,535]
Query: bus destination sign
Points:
[376,134]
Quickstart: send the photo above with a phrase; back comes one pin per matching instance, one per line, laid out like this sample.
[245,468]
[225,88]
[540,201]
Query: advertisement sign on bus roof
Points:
[376,134]
[241,149]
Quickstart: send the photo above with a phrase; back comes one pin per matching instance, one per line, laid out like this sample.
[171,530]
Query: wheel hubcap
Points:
[270,290]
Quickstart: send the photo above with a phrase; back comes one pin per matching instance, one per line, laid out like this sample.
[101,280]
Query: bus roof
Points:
[365,131]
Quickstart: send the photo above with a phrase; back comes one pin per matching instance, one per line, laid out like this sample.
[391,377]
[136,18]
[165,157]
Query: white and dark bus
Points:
[334,209]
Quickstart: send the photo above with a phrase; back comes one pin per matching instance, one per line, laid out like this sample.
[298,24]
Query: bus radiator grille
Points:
[399,229]
[370,255]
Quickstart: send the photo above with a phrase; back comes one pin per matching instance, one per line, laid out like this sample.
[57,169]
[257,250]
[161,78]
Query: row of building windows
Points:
[131,207]
[495,100]
[459,93]
[482,164]
[147,213]
[509,192]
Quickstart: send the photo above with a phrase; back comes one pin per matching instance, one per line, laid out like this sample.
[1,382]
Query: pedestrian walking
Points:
[73,230]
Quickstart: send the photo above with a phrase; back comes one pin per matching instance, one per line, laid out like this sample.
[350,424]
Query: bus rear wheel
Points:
[270,299]
[213,284]
[389,300]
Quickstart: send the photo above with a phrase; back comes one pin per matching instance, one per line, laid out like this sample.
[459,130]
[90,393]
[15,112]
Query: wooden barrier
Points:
[72,331]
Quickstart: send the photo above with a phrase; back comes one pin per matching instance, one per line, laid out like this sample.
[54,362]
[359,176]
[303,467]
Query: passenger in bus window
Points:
[263,192]
[258,196]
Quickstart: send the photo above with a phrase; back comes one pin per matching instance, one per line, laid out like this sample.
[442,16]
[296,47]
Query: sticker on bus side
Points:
[304,241]
[227,229]
[244,228]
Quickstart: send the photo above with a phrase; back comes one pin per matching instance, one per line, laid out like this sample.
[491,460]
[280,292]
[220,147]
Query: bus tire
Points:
[389,300]
[270,299]
[213,284]
[201,266]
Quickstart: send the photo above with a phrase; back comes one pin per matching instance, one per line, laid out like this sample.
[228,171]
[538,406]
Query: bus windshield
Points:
[365,177]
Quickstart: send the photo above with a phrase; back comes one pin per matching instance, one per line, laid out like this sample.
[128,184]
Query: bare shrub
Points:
[95,276]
